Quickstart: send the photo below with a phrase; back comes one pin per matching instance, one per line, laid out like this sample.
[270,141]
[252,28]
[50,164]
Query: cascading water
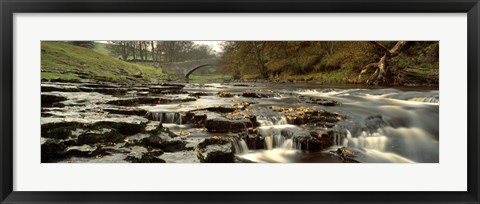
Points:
[382,125]
[267,117]
[166,117]
[280,136]
[425,99]
[239,145]
[390,144]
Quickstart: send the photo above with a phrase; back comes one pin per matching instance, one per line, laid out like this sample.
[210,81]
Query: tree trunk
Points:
[260,63]
[382,74]
[140,50]
[153,51]
[134,50]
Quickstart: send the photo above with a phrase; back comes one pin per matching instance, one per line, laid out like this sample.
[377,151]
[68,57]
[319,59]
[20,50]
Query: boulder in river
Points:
[255,141]
[224,94]
[148,157]
[174,146]
[256,95]
[215,150]
[300,116]
[319,101]
[223,125]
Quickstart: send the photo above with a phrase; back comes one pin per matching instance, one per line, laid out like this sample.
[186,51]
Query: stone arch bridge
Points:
[183,70]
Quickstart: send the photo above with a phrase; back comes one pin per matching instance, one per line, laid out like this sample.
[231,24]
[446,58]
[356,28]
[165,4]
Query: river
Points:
[355,123]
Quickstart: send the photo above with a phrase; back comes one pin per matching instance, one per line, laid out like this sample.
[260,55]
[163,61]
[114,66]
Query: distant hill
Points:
[60,60]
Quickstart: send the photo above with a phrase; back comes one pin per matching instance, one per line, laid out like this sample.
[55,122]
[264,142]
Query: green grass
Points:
[209,78]
[74,61]
[53,75]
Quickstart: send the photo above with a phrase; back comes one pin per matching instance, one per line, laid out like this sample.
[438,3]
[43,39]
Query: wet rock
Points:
[60,130]
[148,101]
[310,144]
[46,114]
[223,125]
[152,141]
[158,140]
[215,150]
[196,117]
[346,155]
[153,127]
[198,94]
[221,109]
[224,94]
[148,157]
[174,146]
[126,111]
[124,128]
[109,91]
[52,150]
[52,100]
[100,86]
[85,151]
[166,89]
[256,95]
[62,80]
[319,101]
[374,122]
[255,141]
[51,88]
[173,85]
[102,136]
[300,116]
[242,85]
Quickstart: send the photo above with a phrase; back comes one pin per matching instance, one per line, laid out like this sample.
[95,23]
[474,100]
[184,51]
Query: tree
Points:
[382,73]
[119,48]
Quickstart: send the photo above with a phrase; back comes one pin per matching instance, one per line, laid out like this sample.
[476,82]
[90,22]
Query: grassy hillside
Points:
[65,61]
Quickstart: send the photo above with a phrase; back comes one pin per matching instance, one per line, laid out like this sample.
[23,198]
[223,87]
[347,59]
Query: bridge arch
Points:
[182,70]
[187,75]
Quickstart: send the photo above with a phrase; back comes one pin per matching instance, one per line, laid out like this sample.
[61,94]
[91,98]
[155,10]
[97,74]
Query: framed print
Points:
[229,102]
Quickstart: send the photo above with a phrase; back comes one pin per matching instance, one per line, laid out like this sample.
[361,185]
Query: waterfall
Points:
[239,145]
[268,117]
[367,140]
[280,136]
[166,117]
[269,121]
[416,144]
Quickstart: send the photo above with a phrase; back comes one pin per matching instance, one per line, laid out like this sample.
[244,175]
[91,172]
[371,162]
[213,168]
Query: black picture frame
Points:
[10,7]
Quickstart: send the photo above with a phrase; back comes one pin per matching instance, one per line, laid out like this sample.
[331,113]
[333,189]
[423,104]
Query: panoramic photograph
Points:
[239,101]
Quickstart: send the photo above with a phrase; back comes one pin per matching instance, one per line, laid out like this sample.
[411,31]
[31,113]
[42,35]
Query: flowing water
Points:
[380,125]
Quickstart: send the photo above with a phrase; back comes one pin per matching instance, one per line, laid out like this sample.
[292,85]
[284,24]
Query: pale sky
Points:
[215,45]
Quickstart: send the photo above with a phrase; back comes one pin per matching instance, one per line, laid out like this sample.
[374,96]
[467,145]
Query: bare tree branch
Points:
[378,45]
